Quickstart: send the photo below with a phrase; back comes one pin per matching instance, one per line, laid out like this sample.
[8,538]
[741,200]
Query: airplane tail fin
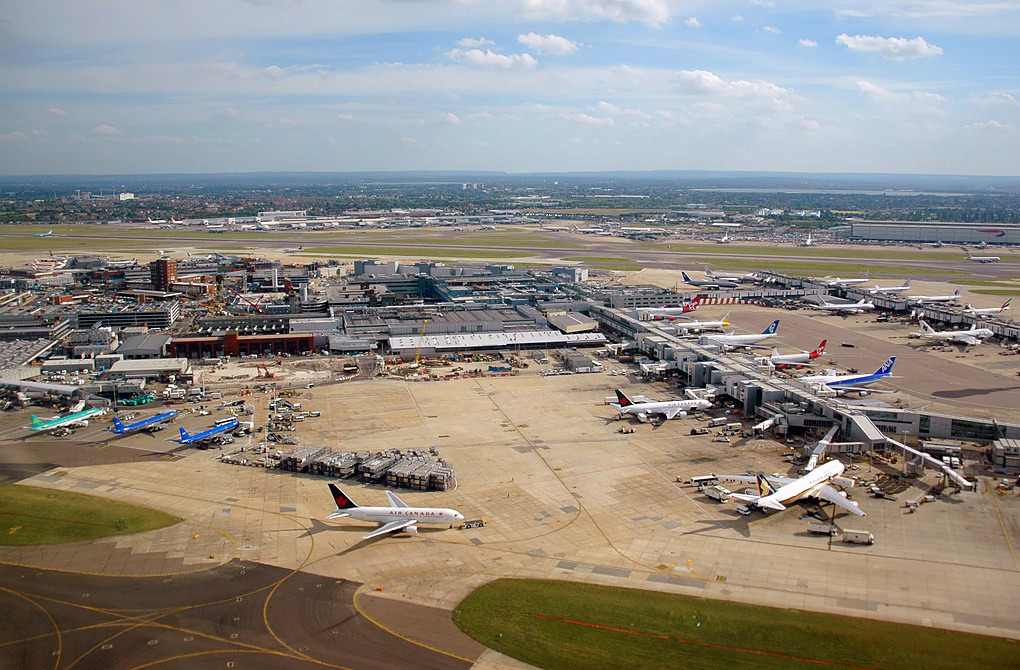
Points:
[185,437]
[771,330]
[623,399]
[886,367]
[765,487]
[684,275]
[1005,305]
[866,273]
[819,350]
[118,427]
[340,498]
[36,421]
[956,292]
[726,318]
[925,327]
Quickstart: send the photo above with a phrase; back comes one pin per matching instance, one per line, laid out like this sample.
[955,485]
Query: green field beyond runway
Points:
[573,626]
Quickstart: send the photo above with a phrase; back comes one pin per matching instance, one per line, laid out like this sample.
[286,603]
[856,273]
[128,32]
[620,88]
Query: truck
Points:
[821,528]
[858,536]
[717,421]
[718,493]
[500,368]
[732,428]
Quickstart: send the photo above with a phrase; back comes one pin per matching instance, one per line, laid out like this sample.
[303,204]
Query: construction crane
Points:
[253,304]
[421,341]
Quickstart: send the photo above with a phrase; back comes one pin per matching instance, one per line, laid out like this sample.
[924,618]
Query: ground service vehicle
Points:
[858,536]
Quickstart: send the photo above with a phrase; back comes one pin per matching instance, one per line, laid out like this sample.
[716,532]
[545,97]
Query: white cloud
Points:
[228,114]
[275,72]
[586,119]
[473,42]
[57,111]
[409,140]
[764,3]
[104,130]
[450,118]
[771,29]
[652,12]
[1003,100]
[705,82]
[344,117]
[892,48]
[481,116]
[488,58]
[629,113]
[548,44]
[16,136]
[991,128]
[693,22]
[919,102]
[807,43]
[737,18]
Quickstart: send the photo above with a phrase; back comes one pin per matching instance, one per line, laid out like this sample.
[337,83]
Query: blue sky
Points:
[114,86]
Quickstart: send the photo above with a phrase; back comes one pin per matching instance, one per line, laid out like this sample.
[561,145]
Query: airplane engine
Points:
[681,415]
[411,530]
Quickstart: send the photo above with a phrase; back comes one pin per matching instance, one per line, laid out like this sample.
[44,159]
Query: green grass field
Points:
[589,626]
[31,515]
[901,253]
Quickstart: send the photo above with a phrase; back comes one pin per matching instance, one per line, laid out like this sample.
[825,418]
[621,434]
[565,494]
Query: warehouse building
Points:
[936,231]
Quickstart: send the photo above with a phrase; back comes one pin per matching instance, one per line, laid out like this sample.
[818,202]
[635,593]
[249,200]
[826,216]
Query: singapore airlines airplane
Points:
[398,517]
[815,484]
[667,409]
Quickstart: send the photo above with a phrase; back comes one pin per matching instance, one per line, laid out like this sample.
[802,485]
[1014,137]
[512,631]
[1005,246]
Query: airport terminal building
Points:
[935,231]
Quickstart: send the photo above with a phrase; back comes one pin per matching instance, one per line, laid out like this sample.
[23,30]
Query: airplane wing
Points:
[390,527]
[671,412]
[968,340]
[337,514]
[862,388]
[753,479]
[394,500]
[835,497]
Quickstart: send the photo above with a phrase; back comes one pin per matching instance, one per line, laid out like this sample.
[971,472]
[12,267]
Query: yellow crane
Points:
[421,341]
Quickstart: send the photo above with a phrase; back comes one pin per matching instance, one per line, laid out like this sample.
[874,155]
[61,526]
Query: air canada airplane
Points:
[398,517]
[667,409]
[815,484]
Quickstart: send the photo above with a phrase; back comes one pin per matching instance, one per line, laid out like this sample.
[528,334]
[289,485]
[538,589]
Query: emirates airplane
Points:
[398,517]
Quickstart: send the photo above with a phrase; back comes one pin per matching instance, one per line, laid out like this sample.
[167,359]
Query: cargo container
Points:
[821,529]
[858,536]
[718,493]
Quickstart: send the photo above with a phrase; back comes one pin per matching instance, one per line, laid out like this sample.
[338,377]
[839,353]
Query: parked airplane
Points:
[714,283]
[970,309]
[397,517]
[725,239]
[965,337]
[667,409]
[734,340]
[173,220]
[48,233]
[151,220]
[807,242]
[861,305]
[187,438]
[815,484]
[839,281]
[670,312]
[698,326]
[555,229]
[923,299]
[891,289]
[120,429]
[854,381]
[981,259]
[797,360]
[723,276]
[76,418]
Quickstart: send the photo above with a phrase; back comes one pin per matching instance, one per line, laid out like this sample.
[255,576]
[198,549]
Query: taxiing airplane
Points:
[71,419]
[923,299]
[725,239]
[891,289]
[120,429]
[981,259]
[723,276]
[853,381]
[705,283]
[861,305]
[667,409]
[292,250]
[398,517]
[807,242]
[734,340]
[965,337]
[839,281]
[698,326]
[970,309]
[48,233]
[187,438]
[795,360]
[815,484]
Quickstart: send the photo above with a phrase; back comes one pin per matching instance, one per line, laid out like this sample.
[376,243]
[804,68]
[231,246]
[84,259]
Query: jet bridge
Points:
[935,464]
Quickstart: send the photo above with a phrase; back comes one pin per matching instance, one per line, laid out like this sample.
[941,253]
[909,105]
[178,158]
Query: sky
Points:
[153,86]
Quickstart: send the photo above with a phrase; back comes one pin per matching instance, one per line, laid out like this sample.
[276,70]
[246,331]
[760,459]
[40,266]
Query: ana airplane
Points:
[981,259]
[965,337]
[734,340]
[723,276]
[795,360]
[839,281]
[851,382]
[714,283]
[48,233]
[970,309]
[120,429]
[398,517]
[667,409]
[861,305]
[923,299]
[815,484]
[71,419]
[187,438]
[698,326]
[891,289]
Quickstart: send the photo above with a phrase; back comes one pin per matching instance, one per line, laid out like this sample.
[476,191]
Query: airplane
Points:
[397,517]
[803,358]
[702,283]
[78,417]
[588,231]
[734,340]
[151,220]
[839,281]
[173,220]
[970,309]
[670,312]
[861,305]
[934,298]
[981,259]
[807,242]
[667,409]
[750,276]
[48,233]
[725,239]
[120,429]
[842,382]
[292,250]
[965,337]
[815,484]
[891,289]
[555,229]
[488,228]
[705,325]
[187,438]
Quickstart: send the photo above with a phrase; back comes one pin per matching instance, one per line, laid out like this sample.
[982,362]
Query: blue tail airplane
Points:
[120,429]
[187,438]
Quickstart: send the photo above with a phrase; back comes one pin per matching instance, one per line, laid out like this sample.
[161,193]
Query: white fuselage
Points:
[703,325]
[890,289]
[808,485]
[665,311]
[646,408]
[933,298]
[956,335]
[986,310]
[740,340]
[853,308]
[791,359]
[846,282]
[390,514]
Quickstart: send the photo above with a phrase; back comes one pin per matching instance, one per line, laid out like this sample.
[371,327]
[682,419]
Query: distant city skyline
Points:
[901,86]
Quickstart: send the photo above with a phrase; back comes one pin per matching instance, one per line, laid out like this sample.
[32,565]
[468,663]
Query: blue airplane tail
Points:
[686,278]
[886,367]
[118,427]
[771,330]
[765,487]
[185,438]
